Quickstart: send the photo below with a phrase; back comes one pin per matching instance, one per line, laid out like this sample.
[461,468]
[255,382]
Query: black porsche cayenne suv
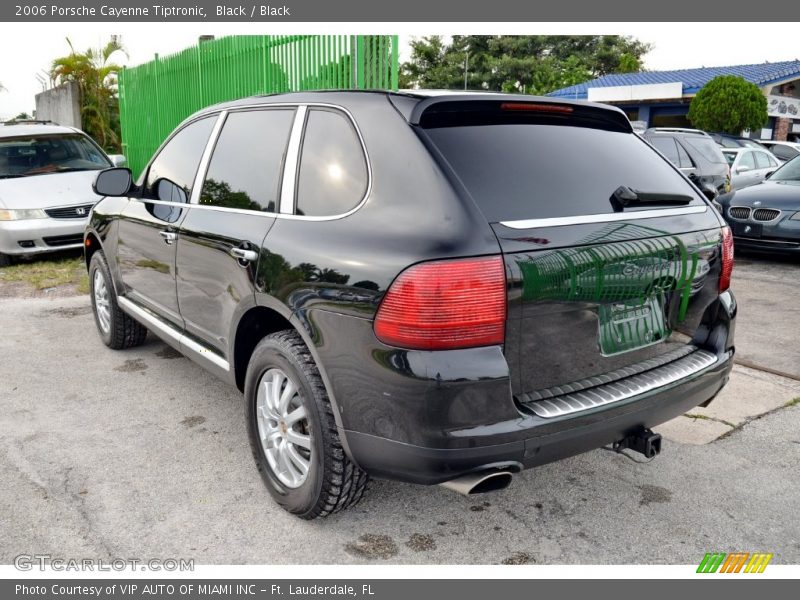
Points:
[439,289]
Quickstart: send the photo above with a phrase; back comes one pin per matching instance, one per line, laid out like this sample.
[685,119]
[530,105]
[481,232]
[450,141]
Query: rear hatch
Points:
[611,256]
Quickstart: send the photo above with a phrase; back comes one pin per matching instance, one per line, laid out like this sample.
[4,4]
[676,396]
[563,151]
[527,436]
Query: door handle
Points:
[244,255]
[169,236]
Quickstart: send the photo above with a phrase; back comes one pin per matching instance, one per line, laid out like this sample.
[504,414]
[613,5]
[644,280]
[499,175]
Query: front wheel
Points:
[292,431]
[117,329]
[5,260]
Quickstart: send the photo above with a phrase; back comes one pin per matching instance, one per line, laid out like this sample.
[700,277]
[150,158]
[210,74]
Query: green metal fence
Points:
[156,96]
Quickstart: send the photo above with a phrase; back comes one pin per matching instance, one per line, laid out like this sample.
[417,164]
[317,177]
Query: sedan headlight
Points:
[795,216]
[20,214]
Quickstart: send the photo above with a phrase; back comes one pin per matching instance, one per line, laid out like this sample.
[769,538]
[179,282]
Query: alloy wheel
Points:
[102,303]
[283,427]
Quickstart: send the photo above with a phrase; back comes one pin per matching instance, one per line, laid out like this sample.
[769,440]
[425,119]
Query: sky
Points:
[675,45]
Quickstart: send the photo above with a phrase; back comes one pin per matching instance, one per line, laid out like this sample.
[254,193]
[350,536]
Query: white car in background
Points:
[784,151]
[749,166]
[46,175]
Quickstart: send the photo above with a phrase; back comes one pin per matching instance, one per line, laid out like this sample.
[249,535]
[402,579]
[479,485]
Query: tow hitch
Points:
[643,441]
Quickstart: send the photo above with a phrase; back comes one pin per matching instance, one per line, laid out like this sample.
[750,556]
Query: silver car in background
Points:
[784,151]
[46,175]
[749,166]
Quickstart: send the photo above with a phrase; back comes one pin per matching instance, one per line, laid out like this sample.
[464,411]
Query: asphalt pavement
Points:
[143,454]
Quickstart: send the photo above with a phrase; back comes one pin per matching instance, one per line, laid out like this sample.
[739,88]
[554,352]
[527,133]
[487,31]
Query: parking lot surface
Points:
[143,454]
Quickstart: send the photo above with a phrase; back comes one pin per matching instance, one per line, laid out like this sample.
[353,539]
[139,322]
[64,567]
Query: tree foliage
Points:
[729,104]
[96,76]
[535,64]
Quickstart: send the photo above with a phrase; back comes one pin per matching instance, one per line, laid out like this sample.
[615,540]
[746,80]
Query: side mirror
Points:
[742,169]
[169,191]
[116,181]
[118,160]
[768,175]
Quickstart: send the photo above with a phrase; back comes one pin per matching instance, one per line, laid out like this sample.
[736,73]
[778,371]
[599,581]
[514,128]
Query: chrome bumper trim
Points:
[619,389]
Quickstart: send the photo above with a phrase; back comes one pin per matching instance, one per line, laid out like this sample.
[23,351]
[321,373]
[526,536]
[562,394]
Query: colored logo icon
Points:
[737,562]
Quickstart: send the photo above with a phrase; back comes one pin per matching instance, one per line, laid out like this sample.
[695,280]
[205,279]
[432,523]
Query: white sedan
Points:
[749,165]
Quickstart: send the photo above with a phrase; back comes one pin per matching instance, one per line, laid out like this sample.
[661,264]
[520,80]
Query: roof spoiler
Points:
[433,109]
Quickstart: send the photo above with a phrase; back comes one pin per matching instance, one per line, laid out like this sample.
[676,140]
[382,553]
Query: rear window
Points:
[707,148]
[523,171]
[784,152]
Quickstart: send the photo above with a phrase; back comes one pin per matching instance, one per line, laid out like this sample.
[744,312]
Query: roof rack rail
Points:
[29,122]
[678,130]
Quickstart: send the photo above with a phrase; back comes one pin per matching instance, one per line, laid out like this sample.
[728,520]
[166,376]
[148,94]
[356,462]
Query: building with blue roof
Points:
[661,98]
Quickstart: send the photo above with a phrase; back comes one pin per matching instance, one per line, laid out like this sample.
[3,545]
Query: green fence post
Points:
[360,62]
[395,67]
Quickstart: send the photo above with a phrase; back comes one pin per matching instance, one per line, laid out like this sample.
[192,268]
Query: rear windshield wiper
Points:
[624,196]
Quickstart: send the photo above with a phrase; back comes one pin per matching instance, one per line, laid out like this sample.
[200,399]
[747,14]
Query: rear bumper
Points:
[543,441]
[450,414]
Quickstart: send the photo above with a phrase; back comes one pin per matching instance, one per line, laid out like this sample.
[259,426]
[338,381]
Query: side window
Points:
[685,159]
[746,160]
[172,173]
[246,166]
[332,177]
[667,147]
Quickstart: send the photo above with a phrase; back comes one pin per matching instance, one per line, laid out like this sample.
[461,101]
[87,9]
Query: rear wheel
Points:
[292,431]
[117,329]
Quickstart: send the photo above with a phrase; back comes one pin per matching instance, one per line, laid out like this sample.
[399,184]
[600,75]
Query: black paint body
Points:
[417,416]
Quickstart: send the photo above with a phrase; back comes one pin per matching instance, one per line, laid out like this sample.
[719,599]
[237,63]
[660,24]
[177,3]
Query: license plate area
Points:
[751,230]
[632,324]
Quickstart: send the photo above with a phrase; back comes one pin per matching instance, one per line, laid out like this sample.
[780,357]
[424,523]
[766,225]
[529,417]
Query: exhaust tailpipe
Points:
[479,483]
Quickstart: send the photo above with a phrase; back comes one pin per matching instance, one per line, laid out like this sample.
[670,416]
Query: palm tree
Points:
[96,77]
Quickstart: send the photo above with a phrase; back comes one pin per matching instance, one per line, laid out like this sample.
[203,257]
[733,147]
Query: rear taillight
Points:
[727,260]
[444,305]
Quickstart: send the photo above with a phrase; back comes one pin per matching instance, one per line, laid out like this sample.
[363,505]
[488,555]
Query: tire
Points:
[332,482]
[5,260]
[117,329]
